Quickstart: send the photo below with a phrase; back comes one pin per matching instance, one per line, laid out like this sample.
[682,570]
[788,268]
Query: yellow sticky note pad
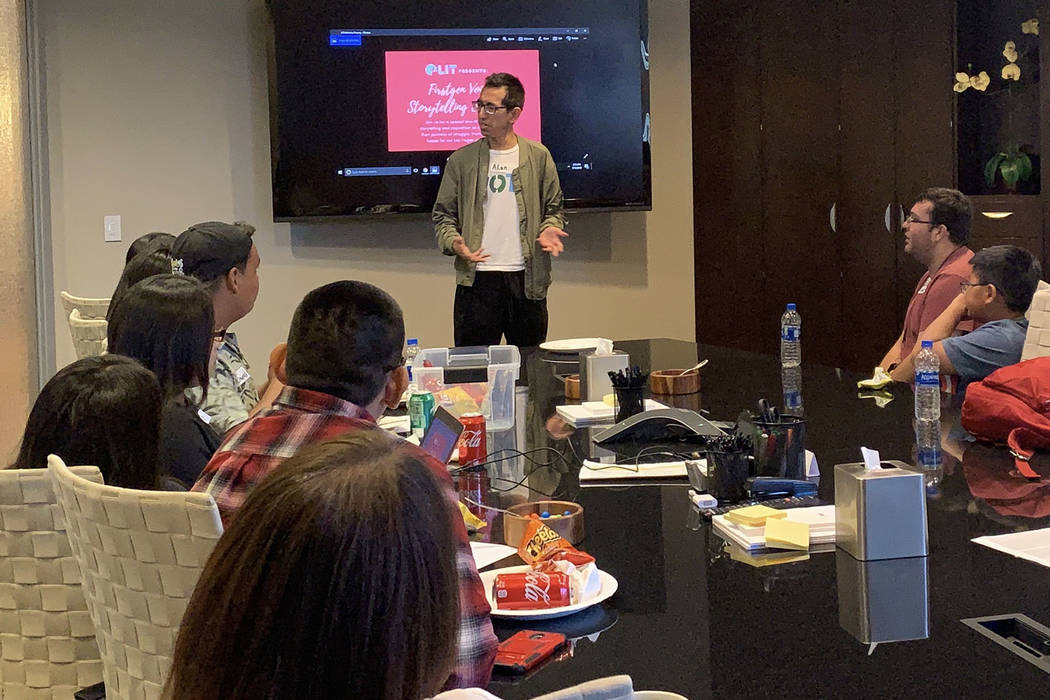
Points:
[753,516]
[787,534]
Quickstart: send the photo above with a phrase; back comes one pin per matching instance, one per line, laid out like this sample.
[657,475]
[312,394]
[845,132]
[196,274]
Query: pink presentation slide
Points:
[428,96]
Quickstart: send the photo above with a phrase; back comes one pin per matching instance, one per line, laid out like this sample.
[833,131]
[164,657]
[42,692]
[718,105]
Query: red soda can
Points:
[531,590]
[472,441]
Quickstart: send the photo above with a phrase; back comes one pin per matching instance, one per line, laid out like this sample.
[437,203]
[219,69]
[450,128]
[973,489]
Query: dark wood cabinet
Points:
[815,125]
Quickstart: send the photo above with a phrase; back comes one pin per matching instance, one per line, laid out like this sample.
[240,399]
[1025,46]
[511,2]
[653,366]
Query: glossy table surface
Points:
[689,619]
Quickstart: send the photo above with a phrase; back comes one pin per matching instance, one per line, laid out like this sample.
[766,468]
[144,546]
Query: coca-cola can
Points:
[531,590]
[473,449]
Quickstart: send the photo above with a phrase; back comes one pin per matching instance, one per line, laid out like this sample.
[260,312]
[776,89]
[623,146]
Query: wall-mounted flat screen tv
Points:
[368,99]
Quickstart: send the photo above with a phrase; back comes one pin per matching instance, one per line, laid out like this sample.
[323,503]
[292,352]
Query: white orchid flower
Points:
[1011,71]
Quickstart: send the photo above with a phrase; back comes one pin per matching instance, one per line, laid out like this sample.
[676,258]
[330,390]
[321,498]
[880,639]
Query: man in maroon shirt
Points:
[935,233]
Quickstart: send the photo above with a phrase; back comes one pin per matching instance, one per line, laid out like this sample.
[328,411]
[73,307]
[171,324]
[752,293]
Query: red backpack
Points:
[1012,405]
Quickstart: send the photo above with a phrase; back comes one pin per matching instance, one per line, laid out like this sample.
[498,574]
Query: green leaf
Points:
[991,166]
[1025,168]
[1011,170]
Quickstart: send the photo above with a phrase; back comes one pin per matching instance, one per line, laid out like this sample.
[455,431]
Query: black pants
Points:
[496,306]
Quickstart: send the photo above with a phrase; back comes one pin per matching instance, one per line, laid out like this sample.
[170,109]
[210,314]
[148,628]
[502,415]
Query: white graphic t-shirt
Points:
[502,240]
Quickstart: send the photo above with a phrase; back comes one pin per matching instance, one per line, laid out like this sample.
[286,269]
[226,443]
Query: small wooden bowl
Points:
[572,386]
[516,519]
[672,381]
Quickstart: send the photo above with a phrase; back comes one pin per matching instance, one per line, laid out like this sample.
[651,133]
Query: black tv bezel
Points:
[409,211]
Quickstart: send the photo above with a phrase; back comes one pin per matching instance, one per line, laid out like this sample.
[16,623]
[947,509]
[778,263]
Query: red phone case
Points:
[526,650]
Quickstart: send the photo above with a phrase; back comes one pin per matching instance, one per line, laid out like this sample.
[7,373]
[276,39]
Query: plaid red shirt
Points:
[300,417]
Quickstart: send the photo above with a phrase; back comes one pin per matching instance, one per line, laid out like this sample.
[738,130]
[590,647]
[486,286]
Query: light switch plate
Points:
[111,227]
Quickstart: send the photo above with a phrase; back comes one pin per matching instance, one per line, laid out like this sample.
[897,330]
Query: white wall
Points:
[158,111]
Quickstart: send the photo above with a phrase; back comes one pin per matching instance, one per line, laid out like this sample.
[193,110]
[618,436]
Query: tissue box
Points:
[594,373]
[883,601]
[880,513]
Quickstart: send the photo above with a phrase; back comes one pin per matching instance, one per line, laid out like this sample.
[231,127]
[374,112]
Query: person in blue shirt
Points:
[1002,280]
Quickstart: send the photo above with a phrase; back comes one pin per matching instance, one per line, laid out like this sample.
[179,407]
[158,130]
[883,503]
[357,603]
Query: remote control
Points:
[780,503]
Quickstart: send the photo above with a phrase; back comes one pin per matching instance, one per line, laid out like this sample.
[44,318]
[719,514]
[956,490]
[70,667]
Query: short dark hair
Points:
[337,578]
[1014,271]
[148,240]
[155,259]
[100,411]
[515,90]
[165,322]
[951,209]
[344,339]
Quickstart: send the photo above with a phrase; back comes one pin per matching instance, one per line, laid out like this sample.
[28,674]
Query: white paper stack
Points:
[821,521]
[596,412]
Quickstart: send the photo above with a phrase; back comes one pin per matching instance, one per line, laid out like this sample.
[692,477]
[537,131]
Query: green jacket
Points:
[460,200]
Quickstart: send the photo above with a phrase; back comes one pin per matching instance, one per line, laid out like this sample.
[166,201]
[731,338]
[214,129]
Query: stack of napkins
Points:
[760,527]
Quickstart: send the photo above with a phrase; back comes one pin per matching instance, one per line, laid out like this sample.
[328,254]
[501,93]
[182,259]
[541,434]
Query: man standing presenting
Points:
[935,233]
[499,211]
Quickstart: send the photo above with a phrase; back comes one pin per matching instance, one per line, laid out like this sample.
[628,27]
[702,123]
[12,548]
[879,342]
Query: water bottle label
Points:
[791,333]
[792,399]
[925,377]
[930,458]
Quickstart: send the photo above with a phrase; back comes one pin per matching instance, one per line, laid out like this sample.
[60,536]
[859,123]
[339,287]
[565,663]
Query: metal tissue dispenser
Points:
[594,373]
[883,601]
[880,513]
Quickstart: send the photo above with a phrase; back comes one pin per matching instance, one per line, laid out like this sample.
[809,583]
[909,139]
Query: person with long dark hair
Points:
[99,411]
[165,322]
[336,580]
[154,259]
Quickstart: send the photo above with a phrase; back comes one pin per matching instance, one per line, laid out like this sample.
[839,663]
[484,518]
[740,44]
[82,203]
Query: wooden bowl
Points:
[672,381]
[572,386]
[516,519]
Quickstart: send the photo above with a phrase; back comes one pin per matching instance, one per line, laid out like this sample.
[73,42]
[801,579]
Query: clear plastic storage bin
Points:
[471,379]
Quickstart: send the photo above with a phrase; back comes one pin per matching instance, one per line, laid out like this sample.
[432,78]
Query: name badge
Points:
[241,376]
[204,416]
[922,289]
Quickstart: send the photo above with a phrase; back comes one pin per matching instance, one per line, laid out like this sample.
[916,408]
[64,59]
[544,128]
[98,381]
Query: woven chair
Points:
[141,553]
[89,335]
[1037,338]
[87,306]
[47,641]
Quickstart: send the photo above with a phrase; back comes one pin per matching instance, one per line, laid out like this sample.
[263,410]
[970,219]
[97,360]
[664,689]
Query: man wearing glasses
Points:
[935,233]
[499,211]
[996,294]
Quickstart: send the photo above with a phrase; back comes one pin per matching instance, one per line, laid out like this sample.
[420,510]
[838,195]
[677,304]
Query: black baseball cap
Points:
[208,250]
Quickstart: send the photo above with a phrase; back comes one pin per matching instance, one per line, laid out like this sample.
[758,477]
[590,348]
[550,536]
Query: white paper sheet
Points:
[1033,545]
[488,553]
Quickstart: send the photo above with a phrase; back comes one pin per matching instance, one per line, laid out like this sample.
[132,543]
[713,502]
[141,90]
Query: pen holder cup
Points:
[727,473]
[516,519]
[780,448]
[629,401]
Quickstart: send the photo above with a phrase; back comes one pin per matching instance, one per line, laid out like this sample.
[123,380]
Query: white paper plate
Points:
[570,345]
[609,586]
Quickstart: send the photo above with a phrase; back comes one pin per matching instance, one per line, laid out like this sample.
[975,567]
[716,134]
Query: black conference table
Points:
[688,619]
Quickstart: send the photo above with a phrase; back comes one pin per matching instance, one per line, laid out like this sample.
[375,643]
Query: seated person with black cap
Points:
[223,257]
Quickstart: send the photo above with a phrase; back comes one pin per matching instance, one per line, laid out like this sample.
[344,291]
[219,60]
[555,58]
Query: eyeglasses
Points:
[478,106]
[963,286]
[391,369]
[218,335]
[910,219]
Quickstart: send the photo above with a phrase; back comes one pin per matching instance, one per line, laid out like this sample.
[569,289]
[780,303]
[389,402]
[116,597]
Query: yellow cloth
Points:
[879,379]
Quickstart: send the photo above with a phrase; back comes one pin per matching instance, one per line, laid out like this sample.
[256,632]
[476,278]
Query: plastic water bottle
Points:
[928,444]
[927,384]
[791,378]
[411,351]
[790,338]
